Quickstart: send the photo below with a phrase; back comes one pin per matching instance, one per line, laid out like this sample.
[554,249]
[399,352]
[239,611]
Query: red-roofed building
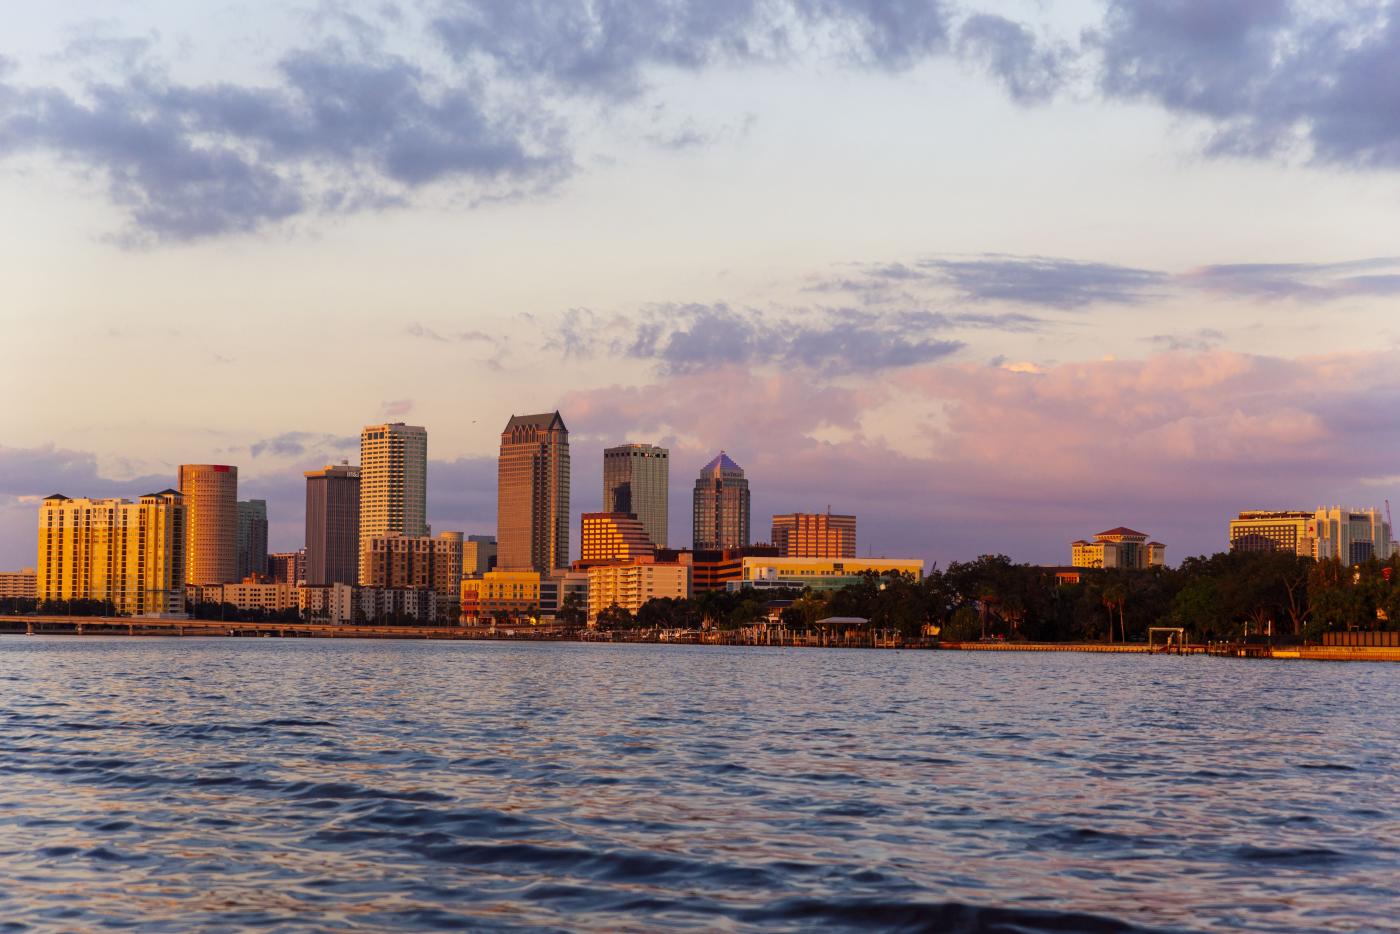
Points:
[1118,548]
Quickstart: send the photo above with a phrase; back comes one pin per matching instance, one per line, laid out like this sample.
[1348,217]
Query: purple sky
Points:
[993,276]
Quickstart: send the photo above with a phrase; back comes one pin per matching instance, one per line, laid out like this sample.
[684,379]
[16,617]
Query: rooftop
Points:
[722,461]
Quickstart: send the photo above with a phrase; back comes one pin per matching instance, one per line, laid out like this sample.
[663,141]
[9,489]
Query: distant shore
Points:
[123,626]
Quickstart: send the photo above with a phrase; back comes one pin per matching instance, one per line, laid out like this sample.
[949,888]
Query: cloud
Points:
[1199,340]
[1271,77]
[687,338]
[1023,460]
[607,49]
[1045,281]
[396,407]
[299,444]
[1030,70]
[337,130]
[1379,276]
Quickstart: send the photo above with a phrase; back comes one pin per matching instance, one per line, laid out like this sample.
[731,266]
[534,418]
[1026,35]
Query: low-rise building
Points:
[631,585]
[255,594]
[349,605]
[19,584]
[500,596]
[819,573]
[287,567]
[1118,548]
[556,589]
[417,562]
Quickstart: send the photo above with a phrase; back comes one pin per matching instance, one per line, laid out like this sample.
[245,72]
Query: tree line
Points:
[1224,596]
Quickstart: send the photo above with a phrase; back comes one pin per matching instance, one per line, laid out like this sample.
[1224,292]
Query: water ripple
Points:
[224,785]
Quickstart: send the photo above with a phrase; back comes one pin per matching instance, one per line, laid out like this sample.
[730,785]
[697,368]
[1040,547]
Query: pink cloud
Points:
[1024,462]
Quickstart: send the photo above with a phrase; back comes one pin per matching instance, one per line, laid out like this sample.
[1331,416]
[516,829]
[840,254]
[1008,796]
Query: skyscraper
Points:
[814,535]
[721,514]
[612,536]
[252,538]
[393,484]
[532,499]
[211,507]
[332,525]
[636,479]
[129,554]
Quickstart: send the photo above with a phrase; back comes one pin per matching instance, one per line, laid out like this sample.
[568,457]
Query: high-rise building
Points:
[1118,548]
[1348,535]
[131,555]
[721,513]
[637,479]
[252,537]
[332,526]
[612,536]
[814,535]
[478,555]
[211,506]
[393,484]
[532,500]
[418,562]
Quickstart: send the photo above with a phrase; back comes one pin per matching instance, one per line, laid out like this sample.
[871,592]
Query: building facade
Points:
[820,573]
[631,585]
[131,555]
[211,509]
[393,484]
[478,555]
[532,497]
[22,585]
[332,525]
[1347,535]
[418,562]
[287,567]
[501,596]
[556,589]
[260,595]
[721,506]
[612,536]
[1118,548]
[252,537]
[814,535]
[637,480]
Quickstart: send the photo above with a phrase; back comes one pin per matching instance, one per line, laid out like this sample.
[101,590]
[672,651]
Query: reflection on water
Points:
[306,785]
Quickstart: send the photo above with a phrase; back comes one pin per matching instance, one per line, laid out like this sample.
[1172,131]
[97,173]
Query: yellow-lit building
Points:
[514,593]
[796,569]
[613,536]
[262,595]
[129,554]
[814,535]
[1118,548]
[211,522]
[631,585]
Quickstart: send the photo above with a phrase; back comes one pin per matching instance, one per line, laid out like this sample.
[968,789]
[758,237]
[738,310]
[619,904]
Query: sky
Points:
[993,276]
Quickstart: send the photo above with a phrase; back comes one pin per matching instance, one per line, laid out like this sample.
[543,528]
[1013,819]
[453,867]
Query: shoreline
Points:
[132,627]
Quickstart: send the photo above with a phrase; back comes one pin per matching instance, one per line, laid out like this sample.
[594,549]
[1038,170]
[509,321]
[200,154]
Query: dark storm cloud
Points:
[1032,71]
[1270,74]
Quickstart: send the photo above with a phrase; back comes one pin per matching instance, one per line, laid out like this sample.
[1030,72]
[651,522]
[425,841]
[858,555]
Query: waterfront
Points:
[346,785]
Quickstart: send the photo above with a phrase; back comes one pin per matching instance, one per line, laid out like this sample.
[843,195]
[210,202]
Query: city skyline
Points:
[1188,283]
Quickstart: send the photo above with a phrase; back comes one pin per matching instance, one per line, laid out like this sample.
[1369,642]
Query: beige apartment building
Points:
[211,509]
[19,584]
[393,484]
[631,585]
[814,535]
[131,554]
